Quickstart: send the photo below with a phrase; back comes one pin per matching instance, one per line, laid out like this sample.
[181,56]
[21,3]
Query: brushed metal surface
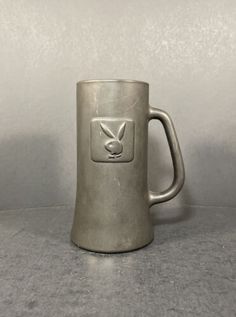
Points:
[113,200]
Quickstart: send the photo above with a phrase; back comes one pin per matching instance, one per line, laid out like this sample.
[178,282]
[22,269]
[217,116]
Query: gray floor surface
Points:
[189,269]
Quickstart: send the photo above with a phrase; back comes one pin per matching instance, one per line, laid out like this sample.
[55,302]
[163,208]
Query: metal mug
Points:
[113,200]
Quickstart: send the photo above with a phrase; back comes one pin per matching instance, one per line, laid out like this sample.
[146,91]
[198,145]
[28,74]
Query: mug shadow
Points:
[205,205]
[30,172]
[31,183]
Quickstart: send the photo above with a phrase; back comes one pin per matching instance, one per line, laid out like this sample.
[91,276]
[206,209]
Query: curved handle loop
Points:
[177,160]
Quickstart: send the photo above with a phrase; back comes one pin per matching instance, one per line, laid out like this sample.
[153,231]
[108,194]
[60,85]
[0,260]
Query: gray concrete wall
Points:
[186,50]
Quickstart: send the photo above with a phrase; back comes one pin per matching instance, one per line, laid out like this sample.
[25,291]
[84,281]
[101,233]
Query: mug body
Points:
[112,209]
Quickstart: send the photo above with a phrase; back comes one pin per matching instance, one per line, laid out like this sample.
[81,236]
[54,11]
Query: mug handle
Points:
[177,160]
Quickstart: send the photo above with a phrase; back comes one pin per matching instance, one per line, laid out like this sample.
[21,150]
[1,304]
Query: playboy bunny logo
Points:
[115,147]
[112,140]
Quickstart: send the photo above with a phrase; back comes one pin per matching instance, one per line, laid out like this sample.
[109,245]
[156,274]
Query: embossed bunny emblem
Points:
[114,146]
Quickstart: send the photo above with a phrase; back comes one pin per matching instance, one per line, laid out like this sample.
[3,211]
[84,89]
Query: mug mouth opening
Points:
[132,81]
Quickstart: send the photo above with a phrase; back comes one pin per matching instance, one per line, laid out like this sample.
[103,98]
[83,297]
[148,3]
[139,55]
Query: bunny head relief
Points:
[112,140]
[114,146]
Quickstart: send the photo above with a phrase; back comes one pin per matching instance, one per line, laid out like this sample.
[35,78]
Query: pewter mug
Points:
[113,200]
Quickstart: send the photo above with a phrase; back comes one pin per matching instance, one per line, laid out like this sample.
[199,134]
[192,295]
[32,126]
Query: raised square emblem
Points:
[112,140]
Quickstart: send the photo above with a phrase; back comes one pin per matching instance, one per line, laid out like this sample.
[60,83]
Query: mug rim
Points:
[132,81]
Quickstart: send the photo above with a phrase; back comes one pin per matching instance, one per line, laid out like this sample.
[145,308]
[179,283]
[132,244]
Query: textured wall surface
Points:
[186,50]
